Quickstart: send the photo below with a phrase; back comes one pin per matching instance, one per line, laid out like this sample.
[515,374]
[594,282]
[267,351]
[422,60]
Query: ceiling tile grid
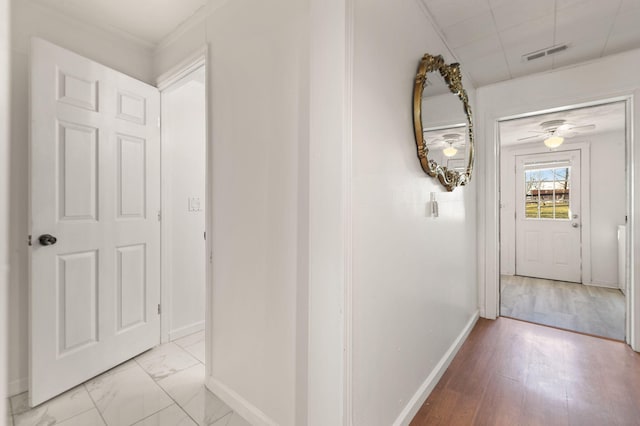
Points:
[488,35]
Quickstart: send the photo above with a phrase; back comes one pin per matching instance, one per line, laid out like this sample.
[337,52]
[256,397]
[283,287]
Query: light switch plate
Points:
[194,204]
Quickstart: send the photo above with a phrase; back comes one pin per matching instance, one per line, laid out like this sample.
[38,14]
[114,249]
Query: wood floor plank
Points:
[510,372]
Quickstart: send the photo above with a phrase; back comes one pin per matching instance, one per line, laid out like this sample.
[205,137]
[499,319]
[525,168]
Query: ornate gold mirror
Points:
[442,122]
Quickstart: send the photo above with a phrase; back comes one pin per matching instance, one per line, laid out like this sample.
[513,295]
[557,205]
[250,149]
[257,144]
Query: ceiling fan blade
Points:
[532,137]
[585,127]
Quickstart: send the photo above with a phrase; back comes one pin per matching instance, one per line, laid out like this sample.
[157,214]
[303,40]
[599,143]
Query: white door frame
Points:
[585,201]
[164,82]
[489,208]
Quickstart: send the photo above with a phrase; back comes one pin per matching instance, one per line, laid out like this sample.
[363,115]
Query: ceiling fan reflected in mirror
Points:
[450,143]
[554,132]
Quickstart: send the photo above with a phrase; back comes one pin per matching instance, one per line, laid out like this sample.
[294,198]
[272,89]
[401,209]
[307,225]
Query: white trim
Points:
[421,395]
[327,192]
[633,291]
[208,187]
[5,279]
[186,330]
[347,187]
[615,286]
[165,82]
[244,408]
[18,386]
[185,67]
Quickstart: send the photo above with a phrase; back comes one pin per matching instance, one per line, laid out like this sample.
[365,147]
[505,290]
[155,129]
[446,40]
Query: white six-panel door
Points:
[95,177]
[548,235]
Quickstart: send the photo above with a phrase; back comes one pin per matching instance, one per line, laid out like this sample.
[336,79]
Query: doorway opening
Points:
[183,229]
[563,214]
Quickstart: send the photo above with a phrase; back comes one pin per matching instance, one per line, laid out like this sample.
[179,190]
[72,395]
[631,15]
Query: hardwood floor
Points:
[510,372]
[588,309]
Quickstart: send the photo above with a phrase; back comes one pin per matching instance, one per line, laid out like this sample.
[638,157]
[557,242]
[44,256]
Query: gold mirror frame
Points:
[450,179]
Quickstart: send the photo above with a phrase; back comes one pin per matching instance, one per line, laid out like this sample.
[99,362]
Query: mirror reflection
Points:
[443,124]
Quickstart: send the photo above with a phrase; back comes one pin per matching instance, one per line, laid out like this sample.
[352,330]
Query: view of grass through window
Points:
[547,193]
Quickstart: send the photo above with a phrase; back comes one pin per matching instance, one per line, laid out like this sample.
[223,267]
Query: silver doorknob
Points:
[575,225]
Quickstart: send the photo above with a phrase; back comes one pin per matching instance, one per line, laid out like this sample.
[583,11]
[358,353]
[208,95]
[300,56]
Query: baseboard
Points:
[238,404]
[604,285]
[414,404]
[186,330]
[18,386]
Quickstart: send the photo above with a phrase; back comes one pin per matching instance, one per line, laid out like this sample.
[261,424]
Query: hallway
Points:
[161,387]
[511,372]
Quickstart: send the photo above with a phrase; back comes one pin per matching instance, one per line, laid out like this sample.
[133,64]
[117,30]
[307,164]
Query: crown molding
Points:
[198,17]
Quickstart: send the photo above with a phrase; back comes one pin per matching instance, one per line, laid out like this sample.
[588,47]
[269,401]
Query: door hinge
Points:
[205,235]
[29,240]
[159,215]
[159,122]
[159,310]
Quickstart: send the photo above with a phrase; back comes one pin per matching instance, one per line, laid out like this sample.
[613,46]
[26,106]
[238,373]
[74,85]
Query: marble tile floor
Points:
[587,309]
[161,387]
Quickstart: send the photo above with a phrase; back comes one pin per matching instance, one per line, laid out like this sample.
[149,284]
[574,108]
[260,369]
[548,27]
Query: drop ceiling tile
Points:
[488,69]
[561,4]
[519,67]
[479,48]
[536,34]
[497,3]
[620,42]
[627,21]
[581,51]
[583,21]
[629,5]
[470,30]
[515,12]
[450,12]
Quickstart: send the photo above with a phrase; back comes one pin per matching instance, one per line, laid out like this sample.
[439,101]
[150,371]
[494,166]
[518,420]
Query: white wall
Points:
[183,161]
[414,284]
[183,176]
[606,78]
[607,195]
[4,199]
[257,52]
[608,204]
[28,20]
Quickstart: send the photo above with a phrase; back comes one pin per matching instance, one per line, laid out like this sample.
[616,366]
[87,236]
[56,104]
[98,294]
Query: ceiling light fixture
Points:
[449,151]
[553,141]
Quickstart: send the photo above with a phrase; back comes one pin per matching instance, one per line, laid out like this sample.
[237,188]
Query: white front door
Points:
[548,216]
[95,189]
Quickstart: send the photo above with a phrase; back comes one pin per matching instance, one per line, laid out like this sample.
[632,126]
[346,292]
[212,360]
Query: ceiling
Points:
[606,118]
[148,21]
[490,37]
